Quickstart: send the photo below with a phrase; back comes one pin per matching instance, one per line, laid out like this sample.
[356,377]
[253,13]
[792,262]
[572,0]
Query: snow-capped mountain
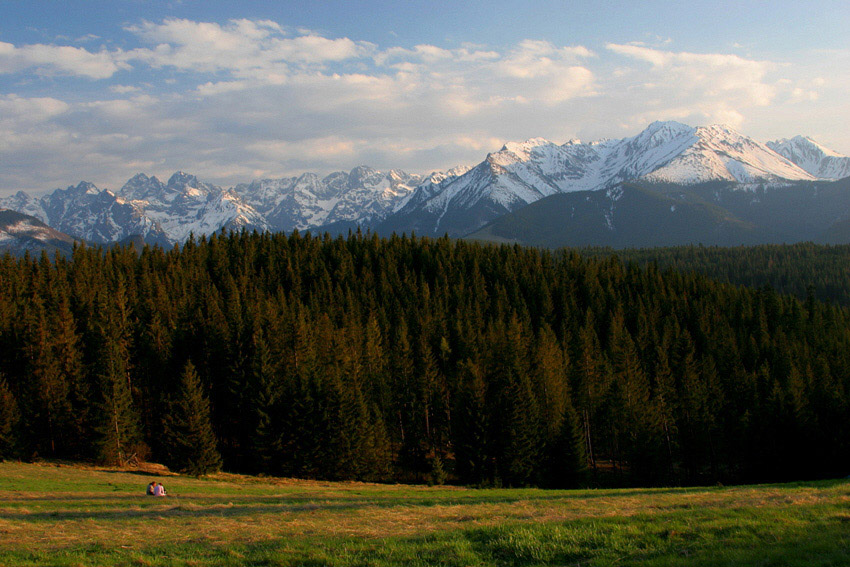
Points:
[88,213]
[456,202]
[813,157]
[522,173]
[21,233]
[363,195]
[185,205]
[166,213]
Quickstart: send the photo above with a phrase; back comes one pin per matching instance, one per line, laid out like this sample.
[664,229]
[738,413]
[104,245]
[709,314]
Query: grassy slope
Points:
[68,515]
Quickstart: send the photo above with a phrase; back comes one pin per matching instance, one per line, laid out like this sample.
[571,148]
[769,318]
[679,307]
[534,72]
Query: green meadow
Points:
[69,515]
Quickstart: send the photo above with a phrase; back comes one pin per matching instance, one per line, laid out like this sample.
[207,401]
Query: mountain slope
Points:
[813,157]
[519,174]
[644,214]
[361,196]
[20,233]
[184,205]
[457,202]
[91,214]
[628,215]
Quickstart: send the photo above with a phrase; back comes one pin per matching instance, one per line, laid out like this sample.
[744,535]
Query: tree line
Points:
[801,269]
[415,359]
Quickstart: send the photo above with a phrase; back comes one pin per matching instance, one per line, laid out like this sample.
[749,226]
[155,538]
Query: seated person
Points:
[159,490]
[151,488]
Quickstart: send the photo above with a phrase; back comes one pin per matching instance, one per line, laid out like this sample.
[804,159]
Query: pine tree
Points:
[188,428]
[663,410]
[51,411]
[568,460]
[633,419]
[470,437]
[591,383]
[266,441]
[9,418]
[119,426]
[520,440]
[120,435]
[70,362]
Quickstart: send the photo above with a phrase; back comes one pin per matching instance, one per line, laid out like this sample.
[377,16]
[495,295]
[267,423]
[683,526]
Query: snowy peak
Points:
[88,213]
[523,172]
[524,150]
[718,153]
[184,205]
[457,201]
[813,157]
[25,204]
[181,180]
[661,133]
[141,187]
[361,195]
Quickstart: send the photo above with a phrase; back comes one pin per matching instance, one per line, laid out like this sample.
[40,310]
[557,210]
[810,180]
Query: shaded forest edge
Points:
[409,359]
[802,269]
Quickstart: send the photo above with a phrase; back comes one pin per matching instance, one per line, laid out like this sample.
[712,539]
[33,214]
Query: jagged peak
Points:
[308,177]
[719,129]
[85,188]
[665,130]
[526,146]
[360,172]
[811,143]
[181,178]
[668,125]
[362,168]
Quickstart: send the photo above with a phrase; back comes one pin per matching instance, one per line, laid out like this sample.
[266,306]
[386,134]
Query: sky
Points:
[235,91]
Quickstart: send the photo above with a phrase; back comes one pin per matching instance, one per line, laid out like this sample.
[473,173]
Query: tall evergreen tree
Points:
[9,418]
[471,441]
[568,460]
[119,427]
[192,444]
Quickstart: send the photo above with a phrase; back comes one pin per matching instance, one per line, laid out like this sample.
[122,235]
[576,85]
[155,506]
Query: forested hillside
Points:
[417,359]
[804,269]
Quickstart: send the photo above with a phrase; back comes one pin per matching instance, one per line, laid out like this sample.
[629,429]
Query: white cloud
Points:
[739,79]
[260,97]
[242,48]
[124,89]
[333,147]
[532,58]
[18,110]
[702,87]
[60,60]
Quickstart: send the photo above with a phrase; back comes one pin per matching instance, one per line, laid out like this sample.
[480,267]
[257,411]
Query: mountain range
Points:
[582,189]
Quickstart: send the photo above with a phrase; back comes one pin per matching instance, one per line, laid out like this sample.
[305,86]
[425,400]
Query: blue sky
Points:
[233,91]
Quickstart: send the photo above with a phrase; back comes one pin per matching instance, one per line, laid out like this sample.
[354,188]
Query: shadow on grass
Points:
[229,506]
[233,505]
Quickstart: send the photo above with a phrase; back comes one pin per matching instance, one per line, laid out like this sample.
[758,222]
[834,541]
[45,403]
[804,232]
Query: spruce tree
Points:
[471,427]
[266,440]
[9,418]
[188,429]
[119,427]
[568,461]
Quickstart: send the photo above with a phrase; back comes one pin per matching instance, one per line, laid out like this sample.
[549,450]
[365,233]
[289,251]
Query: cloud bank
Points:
[244,99]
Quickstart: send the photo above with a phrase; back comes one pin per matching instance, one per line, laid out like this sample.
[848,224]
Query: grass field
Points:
[71,515]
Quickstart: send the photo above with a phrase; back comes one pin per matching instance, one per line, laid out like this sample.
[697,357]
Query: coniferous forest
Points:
[801,269]
[409,359]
